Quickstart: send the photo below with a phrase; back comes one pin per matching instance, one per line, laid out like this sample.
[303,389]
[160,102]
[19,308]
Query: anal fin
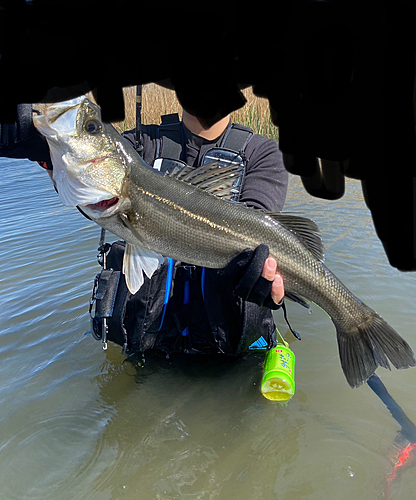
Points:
[296,298]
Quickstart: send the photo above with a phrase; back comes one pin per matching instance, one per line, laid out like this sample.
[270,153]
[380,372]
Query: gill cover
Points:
[58,125]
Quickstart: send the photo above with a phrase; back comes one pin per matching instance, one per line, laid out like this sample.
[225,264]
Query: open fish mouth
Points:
[104,204]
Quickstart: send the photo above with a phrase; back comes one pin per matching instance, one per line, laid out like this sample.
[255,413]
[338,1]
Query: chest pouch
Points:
[228,158]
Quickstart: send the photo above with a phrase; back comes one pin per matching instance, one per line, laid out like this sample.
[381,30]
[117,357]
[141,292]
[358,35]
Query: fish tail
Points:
[372,345]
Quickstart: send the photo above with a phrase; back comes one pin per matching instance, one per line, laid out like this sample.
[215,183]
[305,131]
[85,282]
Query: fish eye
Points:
[92,126]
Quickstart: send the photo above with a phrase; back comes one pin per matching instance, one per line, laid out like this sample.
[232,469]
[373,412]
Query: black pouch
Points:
[109,299]
[131,321]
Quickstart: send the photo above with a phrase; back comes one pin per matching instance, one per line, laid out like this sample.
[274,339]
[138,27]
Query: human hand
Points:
[270,273]
[252,274]
[21,139]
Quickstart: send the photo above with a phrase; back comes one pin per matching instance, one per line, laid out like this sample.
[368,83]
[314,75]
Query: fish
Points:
[179,216]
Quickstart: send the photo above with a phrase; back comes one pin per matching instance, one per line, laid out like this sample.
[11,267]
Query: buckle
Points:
[185,272]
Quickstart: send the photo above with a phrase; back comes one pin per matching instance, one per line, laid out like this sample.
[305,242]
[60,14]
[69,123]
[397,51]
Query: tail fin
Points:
[376,343]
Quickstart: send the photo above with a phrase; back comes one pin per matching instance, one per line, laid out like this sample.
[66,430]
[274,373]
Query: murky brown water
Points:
[79,423]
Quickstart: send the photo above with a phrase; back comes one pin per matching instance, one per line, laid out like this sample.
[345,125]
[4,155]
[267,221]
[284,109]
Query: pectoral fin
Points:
[136,261]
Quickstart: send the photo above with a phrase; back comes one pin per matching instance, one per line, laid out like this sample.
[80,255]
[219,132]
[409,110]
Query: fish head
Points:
[89,157]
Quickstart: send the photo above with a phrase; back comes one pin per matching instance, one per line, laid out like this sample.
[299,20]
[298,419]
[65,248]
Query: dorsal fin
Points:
[217,180]
[305,229]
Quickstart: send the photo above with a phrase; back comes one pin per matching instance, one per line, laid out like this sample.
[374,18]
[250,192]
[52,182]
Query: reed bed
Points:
[157,101]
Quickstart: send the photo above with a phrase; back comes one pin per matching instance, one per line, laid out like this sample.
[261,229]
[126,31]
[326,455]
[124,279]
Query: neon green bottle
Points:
[278,382]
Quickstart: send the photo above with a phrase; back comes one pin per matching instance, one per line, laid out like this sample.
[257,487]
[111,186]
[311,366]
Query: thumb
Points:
[269,269]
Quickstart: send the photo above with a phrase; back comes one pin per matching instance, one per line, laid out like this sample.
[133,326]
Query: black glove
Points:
[244,275]
[21,139]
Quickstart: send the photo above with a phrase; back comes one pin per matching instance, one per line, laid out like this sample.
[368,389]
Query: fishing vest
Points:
[182,308]
[229,151]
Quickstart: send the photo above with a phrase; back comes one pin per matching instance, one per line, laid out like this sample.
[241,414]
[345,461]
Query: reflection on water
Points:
[80,423]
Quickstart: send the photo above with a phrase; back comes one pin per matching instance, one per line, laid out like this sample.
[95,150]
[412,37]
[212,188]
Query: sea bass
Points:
[178,216]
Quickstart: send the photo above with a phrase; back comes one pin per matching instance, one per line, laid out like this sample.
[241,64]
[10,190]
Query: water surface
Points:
[77,422]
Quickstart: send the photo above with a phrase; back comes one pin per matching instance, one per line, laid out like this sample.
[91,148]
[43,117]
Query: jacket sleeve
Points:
[266,180]
[22,140]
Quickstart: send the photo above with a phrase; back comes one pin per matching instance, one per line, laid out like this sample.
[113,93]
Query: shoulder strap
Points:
[237,137]
[170,145]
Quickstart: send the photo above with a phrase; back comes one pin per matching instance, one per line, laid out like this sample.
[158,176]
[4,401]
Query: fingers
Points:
[270,273]
[278,289]
[269,269]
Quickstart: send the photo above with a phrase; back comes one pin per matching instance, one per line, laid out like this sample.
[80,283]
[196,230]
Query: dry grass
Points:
[157,101]
[256,114]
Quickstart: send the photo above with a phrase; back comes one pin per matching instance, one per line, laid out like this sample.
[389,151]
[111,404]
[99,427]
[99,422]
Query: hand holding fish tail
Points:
[252,275]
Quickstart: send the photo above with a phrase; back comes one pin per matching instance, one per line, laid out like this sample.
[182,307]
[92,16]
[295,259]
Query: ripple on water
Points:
[52,449]
[76,423]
